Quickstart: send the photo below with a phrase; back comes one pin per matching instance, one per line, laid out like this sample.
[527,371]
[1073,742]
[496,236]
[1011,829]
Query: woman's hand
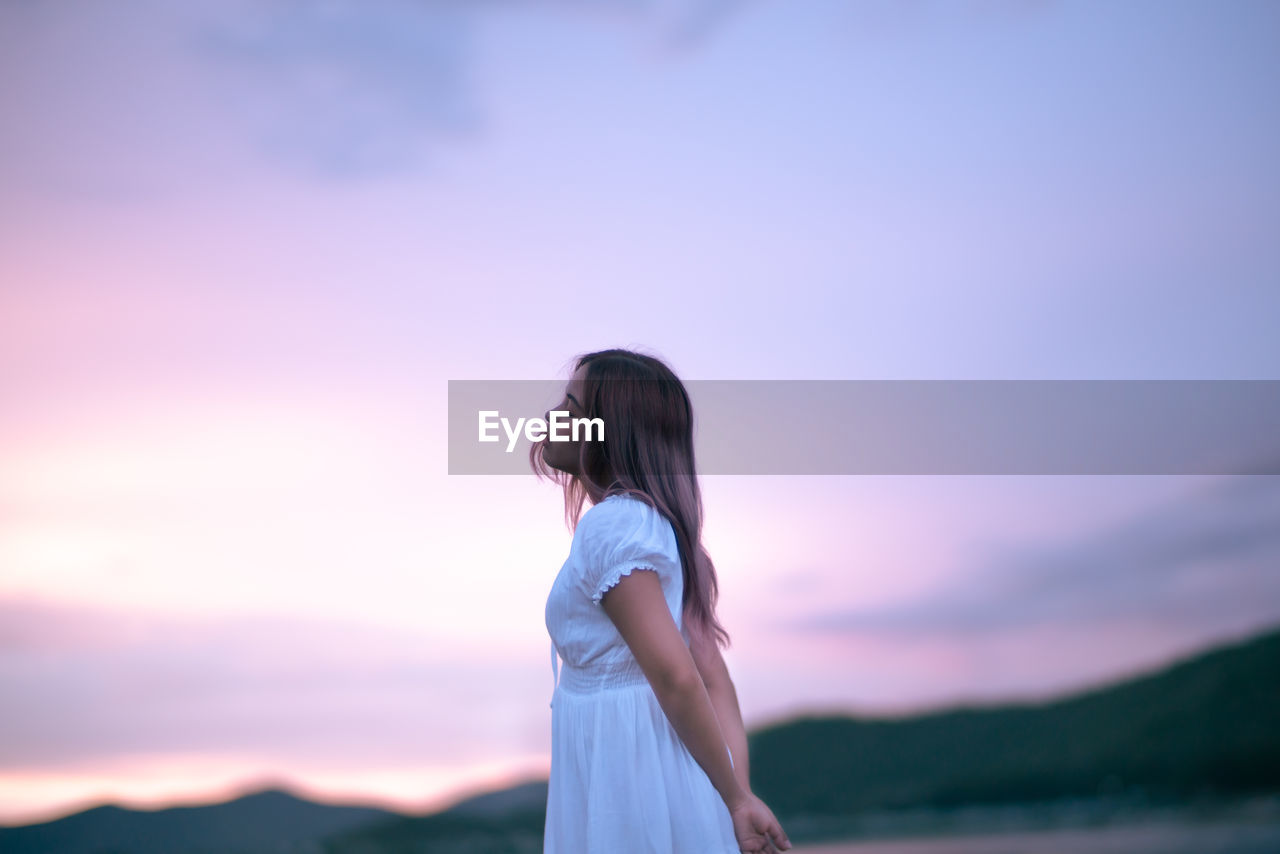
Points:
[756,828]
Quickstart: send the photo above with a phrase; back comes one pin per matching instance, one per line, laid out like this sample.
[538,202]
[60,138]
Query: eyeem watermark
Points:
[912,427]
[536,429]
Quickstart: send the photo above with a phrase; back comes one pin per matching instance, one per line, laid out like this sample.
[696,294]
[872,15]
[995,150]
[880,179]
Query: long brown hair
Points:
[647,452]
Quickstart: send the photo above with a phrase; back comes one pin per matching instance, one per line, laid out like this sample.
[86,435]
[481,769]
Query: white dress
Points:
[622,780]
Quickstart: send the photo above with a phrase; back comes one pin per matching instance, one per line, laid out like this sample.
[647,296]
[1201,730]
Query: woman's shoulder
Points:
[624,529]
[616,511]
[622,503]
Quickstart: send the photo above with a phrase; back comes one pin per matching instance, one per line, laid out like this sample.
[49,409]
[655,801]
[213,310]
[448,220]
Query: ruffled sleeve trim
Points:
[614,575]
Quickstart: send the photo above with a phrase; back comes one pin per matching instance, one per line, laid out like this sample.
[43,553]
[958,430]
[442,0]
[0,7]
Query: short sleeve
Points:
[621,536]
[615,574]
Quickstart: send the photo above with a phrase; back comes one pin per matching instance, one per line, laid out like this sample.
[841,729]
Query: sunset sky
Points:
[244,245]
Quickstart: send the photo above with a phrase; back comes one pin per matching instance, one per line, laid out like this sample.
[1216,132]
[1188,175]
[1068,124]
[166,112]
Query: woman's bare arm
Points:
[636,605]
[724,697]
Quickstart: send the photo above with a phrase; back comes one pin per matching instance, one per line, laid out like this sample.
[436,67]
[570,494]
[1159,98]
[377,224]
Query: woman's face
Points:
[564,455]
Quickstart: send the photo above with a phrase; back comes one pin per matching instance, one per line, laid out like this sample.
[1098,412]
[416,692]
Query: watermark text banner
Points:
[844,427]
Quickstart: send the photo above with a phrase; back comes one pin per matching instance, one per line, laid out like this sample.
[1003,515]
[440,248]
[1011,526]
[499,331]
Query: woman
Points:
[649,754]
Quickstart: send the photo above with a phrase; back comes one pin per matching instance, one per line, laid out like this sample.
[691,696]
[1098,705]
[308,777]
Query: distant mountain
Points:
[466,831]
[272,820]
[526,796]
[506,821]
[1207,725]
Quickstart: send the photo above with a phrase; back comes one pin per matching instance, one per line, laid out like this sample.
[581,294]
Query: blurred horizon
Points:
[244,246]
